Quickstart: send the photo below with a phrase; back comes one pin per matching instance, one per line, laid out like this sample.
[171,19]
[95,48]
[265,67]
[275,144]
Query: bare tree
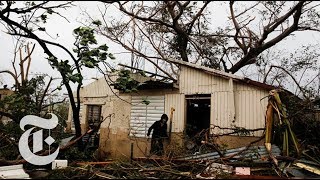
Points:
[180,30]
[30,93]
[23,20]
[297,69]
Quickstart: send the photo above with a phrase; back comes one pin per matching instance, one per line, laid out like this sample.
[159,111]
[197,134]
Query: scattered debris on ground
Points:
[274,160]
[13,172]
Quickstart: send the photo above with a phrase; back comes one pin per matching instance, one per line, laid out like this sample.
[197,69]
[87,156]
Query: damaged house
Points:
[201,98]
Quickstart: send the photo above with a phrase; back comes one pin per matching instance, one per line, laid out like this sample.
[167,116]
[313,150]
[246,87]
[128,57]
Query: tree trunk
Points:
[76,120]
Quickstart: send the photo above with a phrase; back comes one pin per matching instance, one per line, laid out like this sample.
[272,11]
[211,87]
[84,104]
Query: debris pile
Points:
[255,153]
[274,160]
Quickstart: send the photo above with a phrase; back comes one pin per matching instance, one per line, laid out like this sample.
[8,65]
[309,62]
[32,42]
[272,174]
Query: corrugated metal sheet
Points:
[220,111]
[249,110]
[194,81]
[223,74]
[244,109]
[143,116]
[176,101]
[253,152]
[98,88]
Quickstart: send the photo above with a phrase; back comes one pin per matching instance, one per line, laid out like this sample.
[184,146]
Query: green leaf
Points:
[97,22]
[43,17]
[103,56]
[50,11]
[89,64]
[104,47]
[145,101]
[111,56]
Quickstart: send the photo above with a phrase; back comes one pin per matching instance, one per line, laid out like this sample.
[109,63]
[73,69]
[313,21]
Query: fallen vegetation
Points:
[202,158]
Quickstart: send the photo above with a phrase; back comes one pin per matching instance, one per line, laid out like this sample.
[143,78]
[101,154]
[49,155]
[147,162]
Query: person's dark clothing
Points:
[158,130]
[159,133]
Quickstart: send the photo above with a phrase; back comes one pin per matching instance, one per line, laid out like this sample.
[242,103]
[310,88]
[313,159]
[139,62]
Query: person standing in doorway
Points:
[159,134]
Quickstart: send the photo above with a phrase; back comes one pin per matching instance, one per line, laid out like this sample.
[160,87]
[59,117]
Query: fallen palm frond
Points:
[281,113]
[308,167]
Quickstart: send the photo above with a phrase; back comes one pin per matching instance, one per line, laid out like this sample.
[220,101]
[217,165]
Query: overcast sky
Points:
[57,25]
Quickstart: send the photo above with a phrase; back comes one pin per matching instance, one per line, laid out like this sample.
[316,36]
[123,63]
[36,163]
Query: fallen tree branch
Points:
[23,161]
[164,170]
[214,147]
[247,147]
[104,175]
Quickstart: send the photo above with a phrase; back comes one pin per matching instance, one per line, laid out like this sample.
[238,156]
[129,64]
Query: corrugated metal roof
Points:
[13,172]
[223,74]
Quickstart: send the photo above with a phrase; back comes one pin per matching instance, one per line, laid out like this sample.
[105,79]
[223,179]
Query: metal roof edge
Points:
[224,74]
[196,66]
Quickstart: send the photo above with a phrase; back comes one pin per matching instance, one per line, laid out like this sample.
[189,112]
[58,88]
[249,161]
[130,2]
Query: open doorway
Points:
[198,114]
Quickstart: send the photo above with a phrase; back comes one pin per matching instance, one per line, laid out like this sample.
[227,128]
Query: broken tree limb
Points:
[269,123]
[165,170]
[96,128]
[247,147]
[104,175]
[285,158]
[23,161]
[283,117]
[235,130]
[168,159]
[214,147]
[94,163]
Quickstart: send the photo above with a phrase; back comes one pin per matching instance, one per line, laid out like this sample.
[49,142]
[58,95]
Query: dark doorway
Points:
[198,114]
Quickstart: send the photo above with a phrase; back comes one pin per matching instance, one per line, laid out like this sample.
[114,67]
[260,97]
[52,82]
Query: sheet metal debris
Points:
[213,169]
[255,153]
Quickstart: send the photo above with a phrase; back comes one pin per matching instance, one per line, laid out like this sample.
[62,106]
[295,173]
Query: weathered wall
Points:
[118,145]
[114,130]
[114,136]
[96,93]
[232,102]
[230,142]
[177,101]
